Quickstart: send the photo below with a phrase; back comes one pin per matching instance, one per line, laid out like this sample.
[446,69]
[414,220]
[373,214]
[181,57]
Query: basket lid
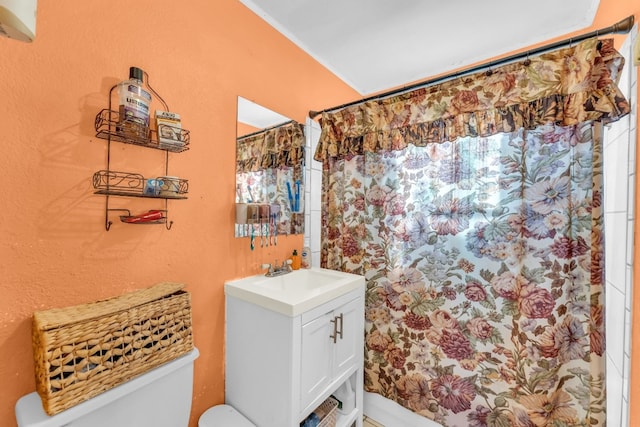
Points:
[58,317]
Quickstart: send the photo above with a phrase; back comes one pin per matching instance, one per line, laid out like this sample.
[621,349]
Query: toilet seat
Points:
[223,416]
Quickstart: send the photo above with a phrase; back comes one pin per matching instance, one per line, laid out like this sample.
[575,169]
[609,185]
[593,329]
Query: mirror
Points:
[269,174]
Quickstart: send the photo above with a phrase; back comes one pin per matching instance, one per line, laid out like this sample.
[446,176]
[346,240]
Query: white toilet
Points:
[158,398]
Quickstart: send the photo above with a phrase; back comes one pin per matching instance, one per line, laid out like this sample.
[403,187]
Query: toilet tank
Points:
[158,398]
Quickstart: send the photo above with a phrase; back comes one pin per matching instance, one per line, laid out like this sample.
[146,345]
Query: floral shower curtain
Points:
[473,209]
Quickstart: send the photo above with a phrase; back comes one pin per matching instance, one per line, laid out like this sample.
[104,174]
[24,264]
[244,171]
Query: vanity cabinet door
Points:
[348,345]
[331,344]
[316,358]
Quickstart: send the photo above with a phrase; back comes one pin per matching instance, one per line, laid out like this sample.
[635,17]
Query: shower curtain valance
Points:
[564,87]
[277,147]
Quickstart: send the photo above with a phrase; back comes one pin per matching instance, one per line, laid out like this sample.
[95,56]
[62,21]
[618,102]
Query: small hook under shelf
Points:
[168,224]
[107,223]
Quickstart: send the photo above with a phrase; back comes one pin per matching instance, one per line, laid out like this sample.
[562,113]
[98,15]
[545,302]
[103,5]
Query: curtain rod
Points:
[621,27]
[264,130]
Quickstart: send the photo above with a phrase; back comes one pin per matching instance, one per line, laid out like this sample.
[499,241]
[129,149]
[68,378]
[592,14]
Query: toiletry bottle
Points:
[349,400]
[345,397]
[340,396]
[134,102]
[295,260]
[305,261]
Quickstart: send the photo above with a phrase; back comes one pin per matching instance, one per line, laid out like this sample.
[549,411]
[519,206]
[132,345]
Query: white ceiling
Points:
[376,45]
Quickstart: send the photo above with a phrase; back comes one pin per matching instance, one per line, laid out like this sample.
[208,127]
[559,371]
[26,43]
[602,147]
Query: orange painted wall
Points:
[200,55]
[54,250]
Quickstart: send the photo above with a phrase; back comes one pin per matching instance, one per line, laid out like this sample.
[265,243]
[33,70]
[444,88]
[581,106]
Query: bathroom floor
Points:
[368,422]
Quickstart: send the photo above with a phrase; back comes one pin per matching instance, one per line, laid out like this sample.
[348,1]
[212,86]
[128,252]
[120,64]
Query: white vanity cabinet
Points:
[280,367]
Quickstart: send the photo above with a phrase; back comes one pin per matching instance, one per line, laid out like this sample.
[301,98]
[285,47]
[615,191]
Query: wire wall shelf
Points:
[167,136]
[109,126]
[113,183]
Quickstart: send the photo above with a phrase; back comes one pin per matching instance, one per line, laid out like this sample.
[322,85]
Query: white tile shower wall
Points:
[633,120]
[313,193]
[633,131]
[619,175]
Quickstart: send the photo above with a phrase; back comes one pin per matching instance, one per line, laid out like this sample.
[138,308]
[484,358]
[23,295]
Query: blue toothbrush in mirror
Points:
[291,205]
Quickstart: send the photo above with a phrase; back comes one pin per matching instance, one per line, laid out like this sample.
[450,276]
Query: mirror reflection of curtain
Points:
[473,209]
[265,162]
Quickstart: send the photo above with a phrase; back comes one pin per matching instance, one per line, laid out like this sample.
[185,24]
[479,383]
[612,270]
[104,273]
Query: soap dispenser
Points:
[295,260]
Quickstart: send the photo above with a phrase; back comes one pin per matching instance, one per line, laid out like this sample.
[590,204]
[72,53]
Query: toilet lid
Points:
[223,416]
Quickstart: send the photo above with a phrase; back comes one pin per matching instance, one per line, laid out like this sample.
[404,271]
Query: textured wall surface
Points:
[54,250]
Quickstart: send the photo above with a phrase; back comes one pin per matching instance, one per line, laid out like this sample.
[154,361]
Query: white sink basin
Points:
[296,292]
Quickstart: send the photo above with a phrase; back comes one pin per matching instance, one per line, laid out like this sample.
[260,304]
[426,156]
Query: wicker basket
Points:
[328,407]
[85,350]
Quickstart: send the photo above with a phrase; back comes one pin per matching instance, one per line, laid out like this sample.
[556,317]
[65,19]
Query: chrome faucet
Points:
[274,270]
